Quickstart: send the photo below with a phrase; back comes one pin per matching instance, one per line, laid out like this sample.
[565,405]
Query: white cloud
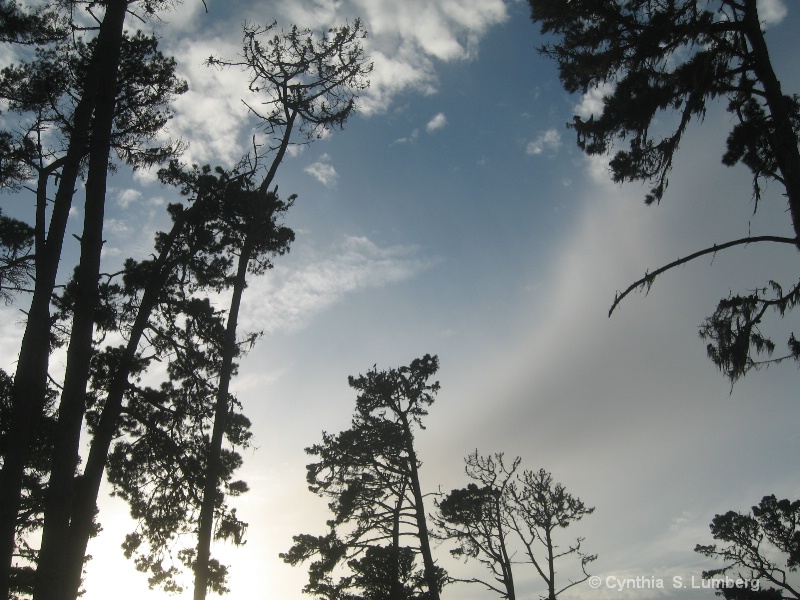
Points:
[109,252]
[295,150]
[772,12]
[404,37]
[437,122]
[592,101]
[118,227]
[547,140]
[211,115]
[145,177]
[402,70]
[288,298]
[183,16]
[408,139]
[444,29]
[127,197]
[323,171]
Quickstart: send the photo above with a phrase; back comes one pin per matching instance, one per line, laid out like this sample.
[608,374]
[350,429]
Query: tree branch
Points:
[648,279]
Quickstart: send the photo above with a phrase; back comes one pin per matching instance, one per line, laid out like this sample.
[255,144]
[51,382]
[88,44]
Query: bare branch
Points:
[647,280]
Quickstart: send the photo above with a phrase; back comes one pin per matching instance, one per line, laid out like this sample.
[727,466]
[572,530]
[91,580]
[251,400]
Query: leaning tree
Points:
[309,83]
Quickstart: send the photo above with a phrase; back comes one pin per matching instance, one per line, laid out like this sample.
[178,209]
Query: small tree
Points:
[762,546]
[653,57]
[371,474]
[507,510]
[476,517]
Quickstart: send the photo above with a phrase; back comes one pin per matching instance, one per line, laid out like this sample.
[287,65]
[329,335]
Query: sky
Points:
[454,215]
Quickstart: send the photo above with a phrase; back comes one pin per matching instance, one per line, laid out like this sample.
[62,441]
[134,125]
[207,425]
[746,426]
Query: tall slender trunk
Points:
[213,466]
[397,588]
[419,509]
[551,564]
[783,139]
[87,488]
[51,581]
[505,559]
[30,380]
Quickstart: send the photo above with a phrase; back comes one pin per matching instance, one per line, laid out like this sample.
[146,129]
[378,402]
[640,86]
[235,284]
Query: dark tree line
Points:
[87,100]
[380,530]
[169,447]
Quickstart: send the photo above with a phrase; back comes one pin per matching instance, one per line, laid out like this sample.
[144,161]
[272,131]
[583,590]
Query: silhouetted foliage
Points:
[734,592]
[370,474]
[162,434]
[30,25]
[310,85]
[652,59]
[506,510]
[83,99]
[763,546]
[16,260]
[476,517]
[30,516]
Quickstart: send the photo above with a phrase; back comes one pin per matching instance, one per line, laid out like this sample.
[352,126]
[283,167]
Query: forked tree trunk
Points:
[30,381]
[51,583]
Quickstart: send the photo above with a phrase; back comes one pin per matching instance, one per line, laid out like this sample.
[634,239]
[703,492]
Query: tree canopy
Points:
[507,512]
[370,473]
[659,66]
[762,546]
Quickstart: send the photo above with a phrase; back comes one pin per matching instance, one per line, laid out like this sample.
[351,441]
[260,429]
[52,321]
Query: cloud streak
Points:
[287,299]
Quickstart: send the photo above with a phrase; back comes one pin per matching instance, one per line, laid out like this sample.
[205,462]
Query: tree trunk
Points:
[551,582]
[419,508]
[210,488]
[213,464]
[30,381]
[87,488]
[397,589]
[505,560]
[51,572]
[783,139]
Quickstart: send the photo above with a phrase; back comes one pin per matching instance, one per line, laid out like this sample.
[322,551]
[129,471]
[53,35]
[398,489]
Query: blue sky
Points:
[454,215]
